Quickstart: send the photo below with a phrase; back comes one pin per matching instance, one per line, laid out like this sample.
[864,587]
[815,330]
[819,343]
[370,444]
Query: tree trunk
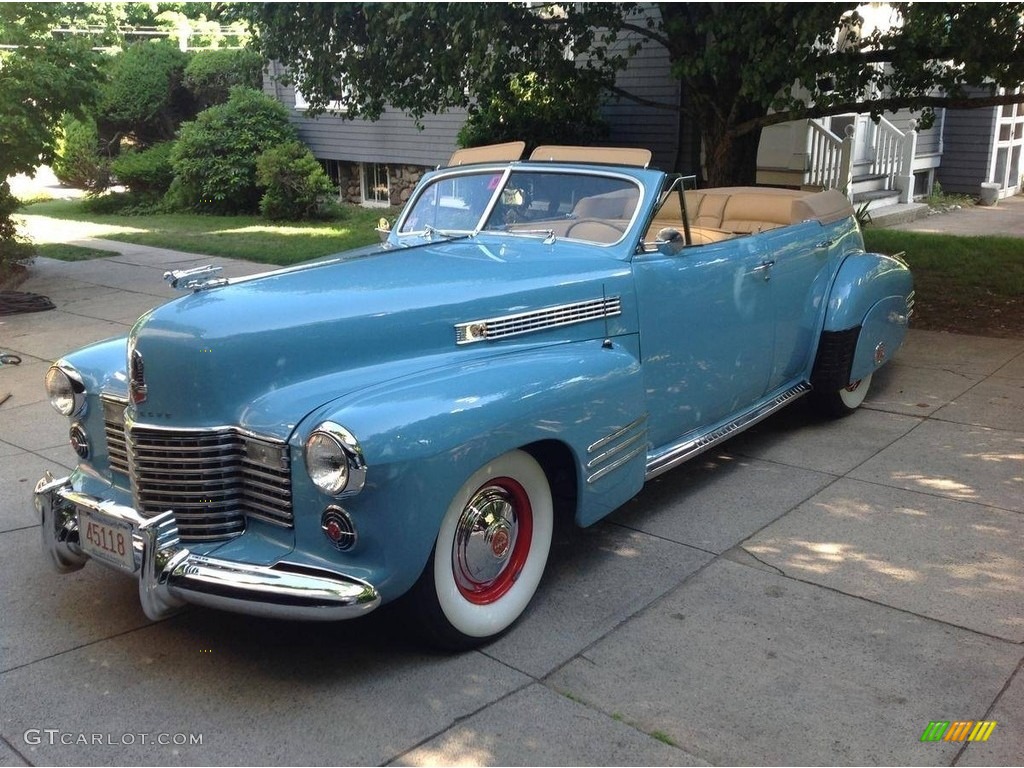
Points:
[730,160]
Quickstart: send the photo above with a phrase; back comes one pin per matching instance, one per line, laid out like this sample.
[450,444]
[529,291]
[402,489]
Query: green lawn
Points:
[64,252]
[240,237]
[988,265]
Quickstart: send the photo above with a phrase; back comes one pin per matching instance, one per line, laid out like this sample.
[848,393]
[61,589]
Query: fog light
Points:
[80,441]
[338,528]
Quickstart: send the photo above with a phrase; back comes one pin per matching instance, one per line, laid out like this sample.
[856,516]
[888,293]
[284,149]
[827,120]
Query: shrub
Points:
[79,162]
[145,97]
[14,248]
[210,75]
[215,156]
[147,171]
[296,185]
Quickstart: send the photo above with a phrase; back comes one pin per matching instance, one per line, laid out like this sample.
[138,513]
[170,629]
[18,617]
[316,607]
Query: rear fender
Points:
[866,319]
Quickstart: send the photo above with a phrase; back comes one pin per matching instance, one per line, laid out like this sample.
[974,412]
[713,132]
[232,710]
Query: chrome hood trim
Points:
[494,328]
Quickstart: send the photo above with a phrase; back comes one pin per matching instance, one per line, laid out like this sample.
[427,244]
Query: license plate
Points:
[107,539]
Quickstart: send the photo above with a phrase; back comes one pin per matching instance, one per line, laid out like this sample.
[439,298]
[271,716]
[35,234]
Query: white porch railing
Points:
[831,158]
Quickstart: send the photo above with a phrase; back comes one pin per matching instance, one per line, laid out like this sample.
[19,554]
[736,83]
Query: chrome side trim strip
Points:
[616,435]
[690,446]
[493,328]
[611,458]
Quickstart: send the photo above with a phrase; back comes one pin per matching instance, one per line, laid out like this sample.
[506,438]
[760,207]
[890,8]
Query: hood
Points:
[211,356]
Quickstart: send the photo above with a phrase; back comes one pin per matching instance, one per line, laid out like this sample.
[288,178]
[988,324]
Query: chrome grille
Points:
[113,429]
[211,479]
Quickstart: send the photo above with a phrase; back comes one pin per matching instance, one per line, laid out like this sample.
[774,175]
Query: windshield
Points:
[578,206]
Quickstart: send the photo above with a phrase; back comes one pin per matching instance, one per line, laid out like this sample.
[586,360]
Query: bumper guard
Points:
[170,576]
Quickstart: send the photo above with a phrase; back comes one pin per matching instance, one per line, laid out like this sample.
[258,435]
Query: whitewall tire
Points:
[490,554]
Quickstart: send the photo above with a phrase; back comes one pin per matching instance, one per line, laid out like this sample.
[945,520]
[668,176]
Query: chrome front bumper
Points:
[170,576]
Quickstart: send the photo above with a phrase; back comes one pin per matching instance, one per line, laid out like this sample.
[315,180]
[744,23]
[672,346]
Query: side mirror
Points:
[383,229]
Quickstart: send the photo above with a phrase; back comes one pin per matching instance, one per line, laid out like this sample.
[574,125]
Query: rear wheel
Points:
[489,555]
[845,401]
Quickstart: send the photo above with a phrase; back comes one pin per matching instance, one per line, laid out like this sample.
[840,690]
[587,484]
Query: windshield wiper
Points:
[549,234]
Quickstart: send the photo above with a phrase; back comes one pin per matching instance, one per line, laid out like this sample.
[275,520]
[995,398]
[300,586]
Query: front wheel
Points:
[845,401]
[489,555]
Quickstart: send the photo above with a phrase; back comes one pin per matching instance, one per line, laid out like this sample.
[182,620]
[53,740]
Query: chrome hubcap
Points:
[492,540]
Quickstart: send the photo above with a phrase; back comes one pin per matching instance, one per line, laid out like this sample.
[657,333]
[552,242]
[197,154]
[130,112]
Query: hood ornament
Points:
[198,279]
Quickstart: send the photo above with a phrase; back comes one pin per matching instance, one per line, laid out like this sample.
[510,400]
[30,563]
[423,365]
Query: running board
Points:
[674,455]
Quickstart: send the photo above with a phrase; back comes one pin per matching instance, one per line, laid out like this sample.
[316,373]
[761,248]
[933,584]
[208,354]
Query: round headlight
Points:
[334,460]
[66,390]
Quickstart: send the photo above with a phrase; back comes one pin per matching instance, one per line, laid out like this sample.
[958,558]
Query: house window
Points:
[334,105]
[376,185]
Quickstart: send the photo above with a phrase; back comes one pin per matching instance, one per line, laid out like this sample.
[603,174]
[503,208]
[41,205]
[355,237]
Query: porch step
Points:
[878,198]
[901,213]
[868,183]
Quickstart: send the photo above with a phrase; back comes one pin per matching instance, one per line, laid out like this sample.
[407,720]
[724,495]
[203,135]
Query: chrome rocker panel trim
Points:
[170,575]
[692,445]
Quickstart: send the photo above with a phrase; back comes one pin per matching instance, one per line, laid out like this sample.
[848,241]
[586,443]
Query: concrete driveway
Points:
[813,593]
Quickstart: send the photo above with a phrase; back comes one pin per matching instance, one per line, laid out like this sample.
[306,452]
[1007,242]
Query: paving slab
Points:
[1006,744]
[1013,369]
[23,382]
[949,560]
[800,438]
[63,456]
[51,335]
[744,667]
[597,578]
[33,427]
[47,613]
[994,402]
[257,692]
[972,355]
[9,757]
[958,461]
[715,502]
[537,726]
[916,391]
[18,477]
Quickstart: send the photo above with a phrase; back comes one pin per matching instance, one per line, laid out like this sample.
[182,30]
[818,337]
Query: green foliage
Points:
[210,75]
[741,66]
[296,186]
[40,80]
[148,171]
[14,248]
[537,110]
[79,160]
[145,97]
[215,156]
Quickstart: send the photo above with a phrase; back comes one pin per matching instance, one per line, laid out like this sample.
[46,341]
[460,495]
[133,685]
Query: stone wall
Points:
[402,179]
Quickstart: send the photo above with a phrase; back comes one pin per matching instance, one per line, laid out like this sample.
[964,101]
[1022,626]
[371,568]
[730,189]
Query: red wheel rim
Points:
[492,541]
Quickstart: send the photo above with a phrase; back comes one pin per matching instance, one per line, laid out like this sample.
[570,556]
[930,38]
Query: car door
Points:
[706,333]
[799,278]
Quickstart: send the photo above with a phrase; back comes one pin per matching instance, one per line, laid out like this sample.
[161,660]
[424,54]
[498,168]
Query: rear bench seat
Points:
[720,213]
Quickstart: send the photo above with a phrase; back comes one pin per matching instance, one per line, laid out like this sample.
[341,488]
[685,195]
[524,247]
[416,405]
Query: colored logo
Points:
[958,730]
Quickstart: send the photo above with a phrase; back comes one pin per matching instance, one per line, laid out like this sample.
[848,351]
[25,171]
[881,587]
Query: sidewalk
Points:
[812,593]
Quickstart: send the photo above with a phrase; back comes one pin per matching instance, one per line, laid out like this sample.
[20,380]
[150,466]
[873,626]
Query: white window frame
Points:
[371,202]
[301,104]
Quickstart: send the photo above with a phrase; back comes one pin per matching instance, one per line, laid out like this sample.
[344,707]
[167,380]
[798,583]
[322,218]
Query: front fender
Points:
[423,436]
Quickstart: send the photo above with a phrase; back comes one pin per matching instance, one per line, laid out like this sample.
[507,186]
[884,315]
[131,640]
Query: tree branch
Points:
[624,94]
[649,34]
[878,105]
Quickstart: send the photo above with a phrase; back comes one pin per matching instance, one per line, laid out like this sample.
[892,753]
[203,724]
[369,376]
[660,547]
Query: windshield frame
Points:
[506,171]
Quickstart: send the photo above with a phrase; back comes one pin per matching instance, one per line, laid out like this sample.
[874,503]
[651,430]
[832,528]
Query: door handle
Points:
[825,244]
[765,266]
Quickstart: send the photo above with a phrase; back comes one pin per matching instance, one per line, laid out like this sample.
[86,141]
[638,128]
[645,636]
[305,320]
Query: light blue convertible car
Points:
[531,338]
